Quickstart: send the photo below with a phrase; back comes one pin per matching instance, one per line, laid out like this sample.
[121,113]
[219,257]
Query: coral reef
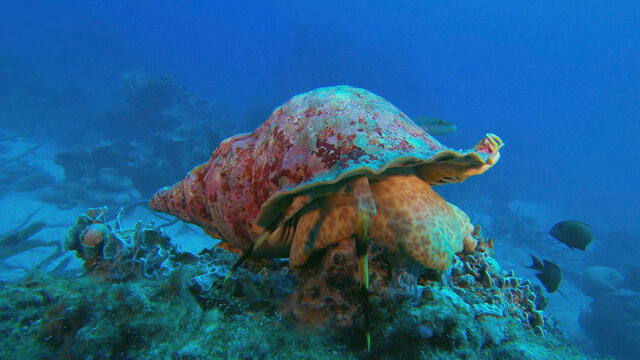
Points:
[328,292]
[122,254]
[488,299]
[56,318]
[142,298]
[259,287]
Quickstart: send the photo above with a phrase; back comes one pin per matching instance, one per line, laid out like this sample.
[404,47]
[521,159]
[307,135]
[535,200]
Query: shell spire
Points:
[185,199]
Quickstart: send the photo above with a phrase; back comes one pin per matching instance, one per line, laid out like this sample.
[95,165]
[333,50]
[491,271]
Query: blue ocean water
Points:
[123,97]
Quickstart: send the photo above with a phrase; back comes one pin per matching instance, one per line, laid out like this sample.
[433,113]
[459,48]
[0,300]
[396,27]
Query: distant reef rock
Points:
[157,126]
[613,318]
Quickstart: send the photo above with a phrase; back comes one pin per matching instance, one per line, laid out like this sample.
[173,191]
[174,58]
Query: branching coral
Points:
[121,254]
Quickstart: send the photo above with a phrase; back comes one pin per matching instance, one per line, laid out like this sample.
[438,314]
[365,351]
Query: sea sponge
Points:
[327,293]
[93,239]
[122,254]
[95,234]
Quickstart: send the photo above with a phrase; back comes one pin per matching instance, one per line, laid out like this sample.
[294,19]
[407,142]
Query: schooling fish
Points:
[574,234]
[434,126]
[550,274]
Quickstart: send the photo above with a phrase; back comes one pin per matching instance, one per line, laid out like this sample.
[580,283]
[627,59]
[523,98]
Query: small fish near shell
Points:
[434,126]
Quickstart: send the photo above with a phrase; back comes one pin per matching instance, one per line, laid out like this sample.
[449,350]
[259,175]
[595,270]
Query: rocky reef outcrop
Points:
[142,297]
[613,318]
[122,157]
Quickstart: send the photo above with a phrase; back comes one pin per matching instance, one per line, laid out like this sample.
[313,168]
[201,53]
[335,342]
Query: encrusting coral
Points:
[326,295]
[120,254]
